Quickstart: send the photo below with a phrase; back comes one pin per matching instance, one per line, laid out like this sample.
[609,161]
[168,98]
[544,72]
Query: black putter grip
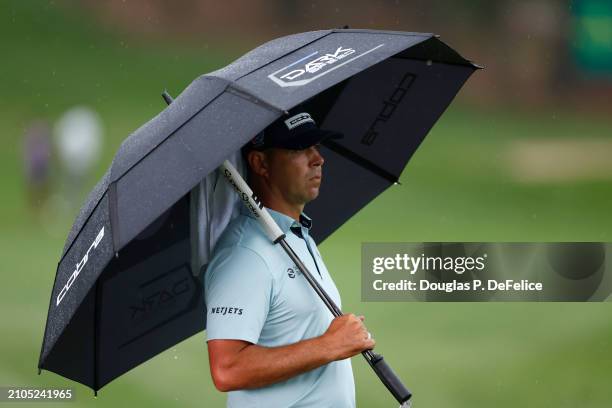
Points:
[390,379]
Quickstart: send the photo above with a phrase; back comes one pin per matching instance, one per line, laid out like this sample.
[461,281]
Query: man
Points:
[271,340]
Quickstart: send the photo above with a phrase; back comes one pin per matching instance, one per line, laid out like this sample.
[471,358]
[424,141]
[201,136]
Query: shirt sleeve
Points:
[237,289]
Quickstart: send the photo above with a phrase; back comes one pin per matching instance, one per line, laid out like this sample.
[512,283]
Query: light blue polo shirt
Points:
[254,292]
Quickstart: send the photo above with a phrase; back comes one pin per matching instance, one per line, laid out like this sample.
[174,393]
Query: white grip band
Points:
[251,201]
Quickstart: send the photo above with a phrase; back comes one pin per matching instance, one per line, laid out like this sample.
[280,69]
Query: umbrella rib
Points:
[361,161]
[42,347]
[369,31]
[238,90]
[96,346]
[112,215]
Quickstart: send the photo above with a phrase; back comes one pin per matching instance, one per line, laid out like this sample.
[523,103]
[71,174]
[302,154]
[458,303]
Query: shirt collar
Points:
[284,221]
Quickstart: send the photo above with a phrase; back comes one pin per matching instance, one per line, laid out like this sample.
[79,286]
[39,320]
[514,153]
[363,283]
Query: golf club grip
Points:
[390,379]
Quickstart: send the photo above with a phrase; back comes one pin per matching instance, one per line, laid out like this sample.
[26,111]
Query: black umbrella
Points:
[124,289]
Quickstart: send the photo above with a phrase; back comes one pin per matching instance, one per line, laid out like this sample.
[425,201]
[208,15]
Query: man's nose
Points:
[316,159]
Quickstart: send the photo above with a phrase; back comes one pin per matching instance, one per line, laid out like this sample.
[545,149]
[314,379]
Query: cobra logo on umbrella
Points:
[79,268]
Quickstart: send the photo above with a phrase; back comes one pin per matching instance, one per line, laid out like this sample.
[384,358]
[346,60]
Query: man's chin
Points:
[312,195]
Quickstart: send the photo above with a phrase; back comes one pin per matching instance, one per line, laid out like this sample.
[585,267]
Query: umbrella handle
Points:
[390,380]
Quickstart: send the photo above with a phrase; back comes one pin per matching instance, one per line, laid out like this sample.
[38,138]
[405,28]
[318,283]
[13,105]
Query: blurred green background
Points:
[523,154]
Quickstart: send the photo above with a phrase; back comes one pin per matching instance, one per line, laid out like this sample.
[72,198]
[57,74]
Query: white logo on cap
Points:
[298,120]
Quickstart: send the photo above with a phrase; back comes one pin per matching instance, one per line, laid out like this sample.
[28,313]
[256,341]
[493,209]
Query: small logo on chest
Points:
[293,272]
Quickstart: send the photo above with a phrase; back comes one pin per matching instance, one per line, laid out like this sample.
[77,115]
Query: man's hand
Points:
[347,336]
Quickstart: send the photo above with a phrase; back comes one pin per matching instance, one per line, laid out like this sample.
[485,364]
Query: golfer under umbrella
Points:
[128,284]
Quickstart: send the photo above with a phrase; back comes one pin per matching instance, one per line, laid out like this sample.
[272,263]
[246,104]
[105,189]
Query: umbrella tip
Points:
[39,370]
[167,97]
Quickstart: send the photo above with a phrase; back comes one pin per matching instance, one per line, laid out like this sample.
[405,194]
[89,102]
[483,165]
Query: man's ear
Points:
[258,162]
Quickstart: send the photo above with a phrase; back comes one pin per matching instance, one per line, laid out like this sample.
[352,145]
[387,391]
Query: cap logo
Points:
[298,120]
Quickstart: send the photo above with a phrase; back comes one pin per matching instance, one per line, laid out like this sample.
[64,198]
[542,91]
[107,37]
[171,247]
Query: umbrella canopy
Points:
[126,287]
